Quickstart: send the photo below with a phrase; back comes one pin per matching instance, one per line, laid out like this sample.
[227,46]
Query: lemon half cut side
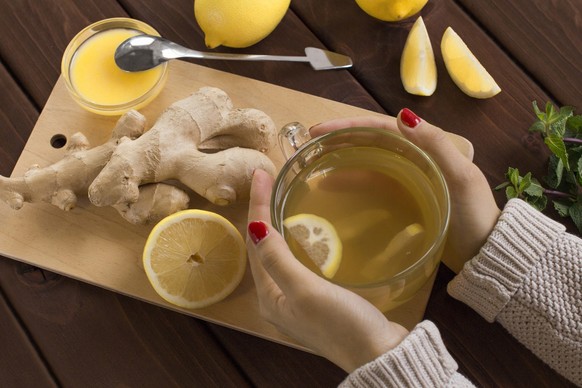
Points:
[465,69]
[319,239]
[194,258]
[418,70]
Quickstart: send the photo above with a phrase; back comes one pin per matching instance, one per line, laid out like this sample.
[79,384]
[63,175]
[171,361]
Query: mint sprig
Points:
[561,131]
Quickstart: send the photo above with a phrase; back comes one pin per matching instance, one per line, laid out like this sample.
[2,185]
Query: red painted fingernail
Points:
[409,118]
[258,230]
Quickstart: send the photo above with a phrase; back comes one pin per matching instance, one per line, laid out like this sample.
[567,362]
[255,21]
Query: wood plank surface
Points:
[543,37]
[162,343]
[91,337]
[16,342]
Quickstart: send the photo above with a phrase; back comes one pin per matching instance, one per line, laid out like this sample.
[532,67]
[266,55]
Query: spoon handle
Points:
[241,57]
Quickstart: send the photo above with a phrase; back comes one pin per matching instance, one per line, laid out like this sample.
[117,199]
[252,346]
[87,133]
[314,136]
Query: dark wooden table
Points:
[55,331]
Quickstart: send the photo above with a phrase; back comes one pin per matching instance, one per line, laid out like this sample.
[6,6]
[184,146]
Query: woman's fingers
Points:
[435,142]
[386,122]
[473,208]
[270,257]
[260,201]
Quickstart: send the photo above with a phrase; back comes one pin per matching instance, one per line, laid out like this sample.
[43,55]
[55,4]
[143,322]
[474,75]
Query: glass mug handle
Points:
[291,137]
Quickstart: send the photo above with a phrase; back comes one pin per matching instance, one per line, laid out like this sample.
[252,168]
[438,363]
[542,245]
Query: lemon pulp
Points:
[319,239]
[417,64]
[194,258]
[464,68]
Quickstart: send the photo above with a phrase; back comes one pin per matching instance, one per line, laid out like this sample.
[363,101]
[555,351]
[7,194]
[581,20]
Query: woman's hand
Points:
[330,320]
[473,208]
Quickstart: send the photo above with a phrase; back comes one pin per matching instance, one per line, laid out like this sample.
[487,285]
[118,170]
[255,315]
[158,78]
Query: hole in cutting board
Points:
[58,141]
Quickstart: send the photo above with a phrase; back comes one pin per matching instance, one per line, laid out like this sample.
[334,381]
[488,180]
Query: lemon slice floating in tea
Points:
[465,70]
[417,65]
[194,258]
[319,240]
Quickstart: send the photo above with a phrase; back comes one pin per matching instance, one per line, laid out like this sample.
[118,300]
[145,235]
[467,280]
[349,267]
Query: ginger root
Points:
[156,201]
[61,183]
[201,141]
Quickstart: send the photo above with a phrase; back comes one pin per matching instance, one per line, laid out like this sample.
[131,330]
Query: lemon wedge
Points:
[238,23]
[417,65]
[319,240]
[391,10]
[465,70]
[395,252]
[194,258]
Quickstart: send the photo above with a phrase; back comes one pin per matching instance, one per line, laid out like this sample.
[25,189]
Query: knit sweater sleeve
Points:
[528,277]
[420,360]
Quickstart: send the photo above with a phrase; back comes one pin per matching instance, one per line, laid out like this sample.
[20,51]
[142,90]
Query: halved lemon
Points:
[319,240]
[417,65]
[465,70]
[194,258]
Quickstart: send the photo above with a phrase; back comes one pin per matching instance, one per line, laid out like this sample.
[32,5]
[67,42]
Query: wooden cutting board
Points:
[97,246]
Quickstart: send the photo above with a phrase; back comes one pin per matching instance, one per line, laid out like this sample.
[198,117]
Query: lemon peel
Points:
[418,71]
[391,10]
[194,258]
[238,23]
[319,240]
[465,69]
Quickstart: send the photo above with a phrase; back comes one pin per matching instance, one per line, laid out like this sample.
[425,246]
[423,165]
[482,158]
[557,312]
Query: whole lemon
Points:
[238,23]
[391,10]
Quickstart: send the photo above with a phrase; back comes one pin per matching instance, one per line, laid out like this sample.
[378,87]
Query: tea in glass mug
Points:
[370,203]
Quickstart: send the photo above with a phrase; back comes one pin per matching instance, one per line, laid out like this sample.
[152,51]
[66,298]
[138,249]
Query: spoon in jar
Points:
[143,52]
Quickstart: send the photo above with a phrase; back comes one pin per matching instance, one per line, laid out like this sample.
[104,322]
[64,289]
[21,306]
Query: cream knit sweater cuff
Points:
[520,237]
[420,359]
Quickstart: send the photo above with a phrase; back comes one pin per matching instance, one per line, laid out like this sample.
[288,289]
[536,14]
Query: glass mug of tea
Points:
[363,207]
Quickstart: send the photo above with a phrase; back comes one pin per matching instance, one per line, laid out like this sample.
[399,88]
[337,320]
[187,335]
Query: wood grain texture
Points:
[17,119]
[91,337]
[36,33]
[19,350]
[544,37]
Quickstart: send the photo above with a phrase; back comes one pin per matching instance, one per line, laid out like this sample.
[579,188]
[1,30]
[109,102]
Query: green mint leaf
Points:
[510,192]
[550,112]
[538,126]
[574,125]
[558,127]
[524,182]
[562,208]
[566,111]
[513,176]
[558,148]
[541,116]
[538,203]
[576,213]
[555,172]
[535,189]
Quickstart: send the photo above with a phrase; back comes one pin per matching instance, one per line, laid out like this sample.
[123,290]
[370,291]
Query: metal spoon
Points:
[143,52]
